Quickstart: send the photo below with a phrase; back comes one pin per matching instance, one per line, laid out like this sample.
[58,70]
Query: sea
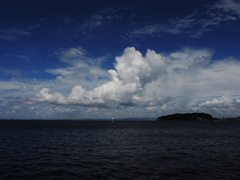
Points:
[62,150]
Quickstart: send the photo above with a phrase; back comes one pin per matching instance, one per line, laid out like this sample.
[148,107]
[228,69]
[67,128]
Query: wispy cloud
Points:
[79,68]
[231,6]
[194,24]
[12,72]
[110,15]
[17,56]
[100,18]
[13,34]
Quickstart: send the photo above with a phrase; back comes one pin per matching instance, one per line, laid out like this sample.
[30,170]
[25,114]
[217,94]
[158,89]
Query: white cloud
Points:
[53,98]
[72,55]
[4,85]
[79,68]
[219,101]
[186,80]
[139,85]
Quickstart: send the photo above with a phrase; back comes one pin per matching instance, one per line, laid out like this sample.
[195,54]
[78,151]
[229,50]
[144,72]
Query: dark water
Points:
[119,150]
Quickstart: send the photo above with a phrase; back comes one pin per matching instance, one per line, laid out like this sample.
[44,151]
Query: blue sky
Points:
[102,59]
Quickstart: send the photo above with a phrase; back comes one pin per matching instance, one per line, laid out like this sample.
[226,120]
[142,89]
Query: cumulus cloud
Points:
[186,80]
[139,85]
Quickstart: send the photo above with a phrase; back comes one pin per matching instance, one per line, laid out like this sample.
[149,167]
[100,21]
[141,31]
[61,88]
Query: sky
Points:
[106,59]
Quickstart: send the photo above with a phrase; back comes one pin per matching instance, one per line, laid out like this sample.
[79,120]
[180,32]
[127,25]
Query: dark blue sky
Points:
[57,55]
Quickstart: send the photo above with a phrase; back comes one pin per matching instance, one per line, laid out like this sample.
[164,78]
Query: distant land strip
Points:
[193,117]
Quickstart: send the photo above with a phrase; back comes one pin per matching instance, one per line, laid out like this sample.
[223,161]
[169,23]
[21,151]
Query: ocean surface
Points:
[119,150]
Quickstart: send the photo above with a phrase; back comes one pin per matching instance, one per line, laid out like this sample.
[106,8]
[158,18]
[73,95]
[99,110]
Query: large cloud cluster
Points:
[186,80]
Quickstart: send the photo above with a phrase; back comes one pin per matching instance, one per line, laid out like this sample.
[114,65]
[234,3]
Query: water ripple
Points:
[119,150]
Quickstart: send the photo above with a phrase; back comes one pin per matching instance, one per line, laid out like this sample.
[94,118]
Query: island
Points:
[187,117]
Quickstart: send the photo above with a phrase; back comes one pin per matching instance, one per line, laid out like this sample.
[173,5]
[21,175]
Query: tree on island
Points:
[187,117]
